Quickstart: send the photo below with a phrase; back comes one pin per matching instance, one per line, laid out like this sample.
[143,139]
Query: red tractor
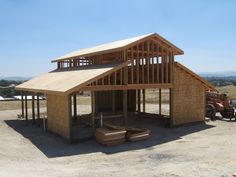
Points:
[217,102]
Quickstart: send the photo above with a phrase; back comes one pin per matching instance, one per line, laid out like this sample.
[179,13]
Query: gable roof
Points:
[65,82]
[115,46]
[206,84]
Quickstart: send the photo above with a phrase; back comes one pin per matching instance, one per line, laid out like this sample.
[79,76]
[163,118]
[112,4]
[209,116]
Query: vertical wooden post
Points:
[167,67]
[58,65]
[33,109]
[172,70]
[125,106]
[137,64]
[75,106]
[70,119]
[143,81]
[38,110]
[113,102]
[93,109]
[158,70]
[125,91]
[153,71]
[132,65]
[171,106]
[159,101]
[162,65]
[139,101]
[148,61]
[22,105]
[26,107]
[144,100]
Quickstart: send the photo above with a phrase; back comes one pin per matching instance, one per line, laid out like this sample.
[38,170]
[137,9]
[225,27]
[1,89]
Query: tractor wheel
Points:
[223,114]
[210,111]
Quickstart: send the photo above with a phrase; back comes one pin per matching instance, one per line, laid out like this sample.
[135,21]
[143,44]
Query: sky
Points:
[33,32]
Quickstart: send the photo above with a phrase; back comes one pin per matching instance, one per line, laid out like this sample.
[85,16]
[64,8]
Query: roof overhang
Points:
[69,81]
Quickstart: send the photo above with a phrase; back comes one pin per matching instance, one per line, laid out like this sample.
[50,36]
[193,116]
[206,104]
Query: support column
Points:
[171,107]
[38,110]
[125,100]
[139,101]
[144,100]
[75,106]
[70,119]
[93,108]
[113,102]
[125,106]
[33,110]
[26,107]
[22,105]
[160,101]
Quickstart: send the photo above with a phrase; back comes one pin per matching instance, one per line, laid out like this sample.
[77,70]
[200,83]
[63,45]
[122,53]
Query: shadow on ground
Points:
[54,146]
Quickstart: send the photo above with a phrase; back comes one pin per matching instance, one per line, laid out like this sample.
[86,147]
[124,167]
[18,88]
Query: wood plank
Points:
[26,107]
[137,66]
[125,107]
[166,69]
[38,110]
[157,68]
[121,76]
[126,87]
[93,108]
[115,78]
[148,61]
[132,65]
[160,101]
[170,68]
[113,102]
[139,101]
[162,66]
[75,105]
[148,86]
[153,71]
[33,108]
[143,81]
[109,79]
[69,105]
[125,100]
[171,106]
[58,65]
[144,100]
[22,105]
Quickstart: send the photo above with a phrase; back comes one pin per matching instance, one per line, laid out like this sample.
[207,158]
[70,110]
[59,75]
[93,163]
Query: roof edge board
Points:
[89,54]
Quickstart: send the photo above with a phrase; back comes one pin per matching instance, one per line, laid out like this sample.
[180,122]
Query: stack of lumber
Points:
[133,134]
[109,136]
[137,134]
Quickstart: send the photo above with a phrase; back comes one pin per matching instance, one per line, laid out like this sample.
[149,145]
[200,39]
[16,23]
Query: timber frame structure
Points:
[116,73]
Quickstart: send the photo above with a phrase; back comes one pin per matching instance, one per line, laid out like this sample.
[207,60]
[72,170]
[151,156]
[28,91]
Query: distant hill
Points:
[14,78]
[218,74]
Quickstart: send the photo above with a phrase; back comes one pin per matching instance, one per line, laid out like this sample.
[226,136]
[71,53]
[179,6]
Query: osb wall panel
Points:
[58,115]
[188,99]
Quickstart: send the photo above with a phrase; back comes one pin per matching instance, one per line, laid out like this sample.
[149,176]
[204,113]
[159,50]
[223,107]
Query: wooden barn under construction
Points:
[117,75]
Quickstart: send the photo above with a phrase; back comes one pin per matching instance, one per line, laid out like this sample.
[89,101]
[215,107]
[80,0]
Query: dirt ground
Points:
[207,150]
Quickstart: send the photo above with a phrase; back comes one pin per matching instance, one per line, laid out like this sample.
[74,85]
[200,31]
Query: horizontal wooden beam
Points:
[126,87]
[148,86]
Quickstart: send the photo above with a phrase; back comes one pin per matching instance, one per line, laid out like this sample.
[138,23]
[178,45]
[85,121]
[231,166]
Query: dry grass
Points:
[230,90]
[12,105]
[152,96]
